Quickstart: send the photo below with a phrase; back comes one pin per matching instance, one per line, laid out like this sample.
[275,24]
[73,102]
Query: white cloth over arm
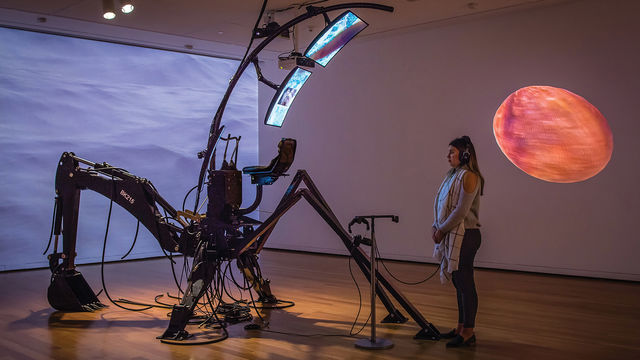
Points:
[447,200]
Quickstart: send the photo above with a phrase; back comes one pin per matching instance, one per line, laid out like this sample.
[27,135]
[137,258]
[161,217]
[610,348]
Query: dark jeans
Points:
[463,279]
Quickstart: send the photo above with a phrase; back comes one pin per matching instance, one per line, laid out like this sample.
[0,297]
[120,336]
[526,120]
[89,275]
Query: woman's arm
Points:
[465,200]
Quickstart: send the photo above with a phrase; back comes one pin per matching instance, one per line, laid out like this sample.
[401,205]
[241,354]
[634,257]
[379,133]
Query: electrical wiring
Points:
[135,237]
[125,301]
[225,288]
[266,324]
[175,278]
[104,248]
[351,333]
[406,282]
[53,220]
[184,201]
[162,303]
[264,6]
[102,262]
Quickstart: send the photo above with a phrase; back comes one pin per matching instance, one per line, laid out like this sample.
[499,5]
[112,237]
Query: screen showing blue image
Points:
[336,35]
[284,97]
[145,110]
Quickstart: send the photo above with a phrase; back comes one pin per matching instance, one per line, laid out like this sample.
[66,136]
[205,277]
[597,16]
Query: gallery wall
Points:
[373,129]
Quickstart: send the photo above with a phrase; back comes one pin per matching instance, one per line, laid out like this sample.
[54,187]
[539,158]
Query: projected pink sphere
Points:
[553,134]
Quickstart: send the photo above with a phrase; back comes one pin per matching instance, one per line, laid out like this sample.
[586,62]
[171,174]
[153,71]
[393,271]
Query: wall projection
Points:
[145,110]
[553,134]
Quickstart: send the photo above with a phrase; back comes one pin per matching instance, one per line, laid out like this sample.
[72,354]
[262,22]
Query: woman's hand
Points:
[437,236]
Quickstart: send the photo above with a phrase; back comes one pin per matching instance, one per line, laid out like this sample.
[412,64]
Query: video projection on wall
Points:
[145,110]
[553,134]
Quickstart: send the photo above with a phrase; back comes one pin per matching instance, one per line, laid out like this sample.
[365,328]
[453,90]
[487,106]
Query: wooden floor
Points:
[521,316]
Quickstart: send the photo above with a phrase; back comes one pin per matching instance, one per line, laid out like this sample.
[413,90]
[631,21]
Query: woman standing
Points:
[456,234]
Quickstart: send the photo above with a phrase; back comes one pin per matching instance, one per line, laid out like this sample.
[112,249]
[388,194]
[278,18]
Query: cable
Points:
[162,306]
[235,282]
[224,328]
[351,333]
[135,237]
[278,301]
[183,271]
[304,335]
[168,256]
[224,288]
[53,220]
[161,303]
[184,201]
[104,248]
[264,5]
[407,282]
[254,304]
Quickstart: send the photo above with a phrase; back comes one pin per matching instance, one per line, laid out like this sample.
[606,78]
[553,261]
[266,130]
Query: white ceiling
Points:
[231,21]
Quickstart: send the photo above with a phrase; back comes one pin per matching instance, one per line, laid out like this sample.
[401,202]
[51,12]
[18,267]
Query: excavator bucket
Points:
[69,291]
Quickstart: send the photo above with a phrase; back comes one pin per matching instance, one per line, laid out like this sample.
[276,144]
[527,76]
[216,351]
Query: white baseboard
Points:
[481,264]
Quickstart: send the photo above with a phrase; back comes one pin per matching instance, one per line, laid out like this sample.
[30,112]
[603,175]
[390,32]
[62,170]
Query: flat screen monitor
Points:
[284,96]
[336,35]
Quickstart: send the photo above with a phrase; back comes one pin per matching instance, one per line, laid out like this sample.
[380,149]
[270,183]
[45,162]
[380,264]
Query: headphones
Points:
[465,155]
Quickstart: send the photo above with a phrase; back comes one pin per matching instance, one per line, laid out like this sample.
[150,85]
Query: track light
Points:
[126,6]
[108,9]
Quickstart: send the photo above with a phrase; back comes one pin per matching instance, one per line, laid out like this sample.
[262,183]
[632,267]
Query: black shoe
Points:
[450,335]
[459,341]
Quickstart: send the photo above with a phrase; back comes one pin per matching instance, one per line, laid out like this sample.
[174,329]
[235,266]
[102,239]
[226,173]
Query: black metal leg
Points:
[315,199]
[199,281]
[395,316]
[248,264]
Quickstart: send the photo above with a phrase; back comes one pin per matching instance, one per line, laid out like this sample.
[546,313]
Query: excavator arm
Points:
[68,290]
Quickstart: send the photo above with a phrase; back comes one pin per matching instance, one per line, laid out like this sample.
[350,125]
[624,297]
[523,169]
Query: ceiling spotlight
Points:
[126,6]
[108,9]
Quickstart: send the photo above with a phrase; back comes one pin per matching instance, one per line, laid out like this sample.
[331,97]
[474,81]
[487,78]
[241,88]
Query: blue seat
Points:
[267,175]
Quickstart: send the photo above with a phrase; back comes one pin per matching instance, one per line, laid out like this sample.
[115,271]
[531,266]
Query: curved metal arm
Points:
[255,204]
[261,78]
[215,123]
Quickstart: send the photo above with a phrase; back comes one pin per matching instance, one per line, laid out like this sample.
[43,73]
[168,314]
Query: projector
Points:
[293,60]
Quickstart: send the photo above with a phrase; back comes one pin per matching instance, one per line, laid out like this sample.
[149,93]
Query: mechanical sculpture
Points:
[223,233]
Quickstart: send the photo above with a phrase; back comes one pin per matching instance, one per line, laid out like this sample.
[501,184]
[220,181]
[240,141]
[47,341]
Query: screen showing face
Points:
[284,97]
[327,44]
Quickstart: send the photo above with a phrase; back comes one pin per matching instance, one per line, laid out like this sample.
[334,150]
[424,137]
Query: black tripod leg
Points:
[315,199]
[428,330]
[199,281]
[395,316]
[312,195]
